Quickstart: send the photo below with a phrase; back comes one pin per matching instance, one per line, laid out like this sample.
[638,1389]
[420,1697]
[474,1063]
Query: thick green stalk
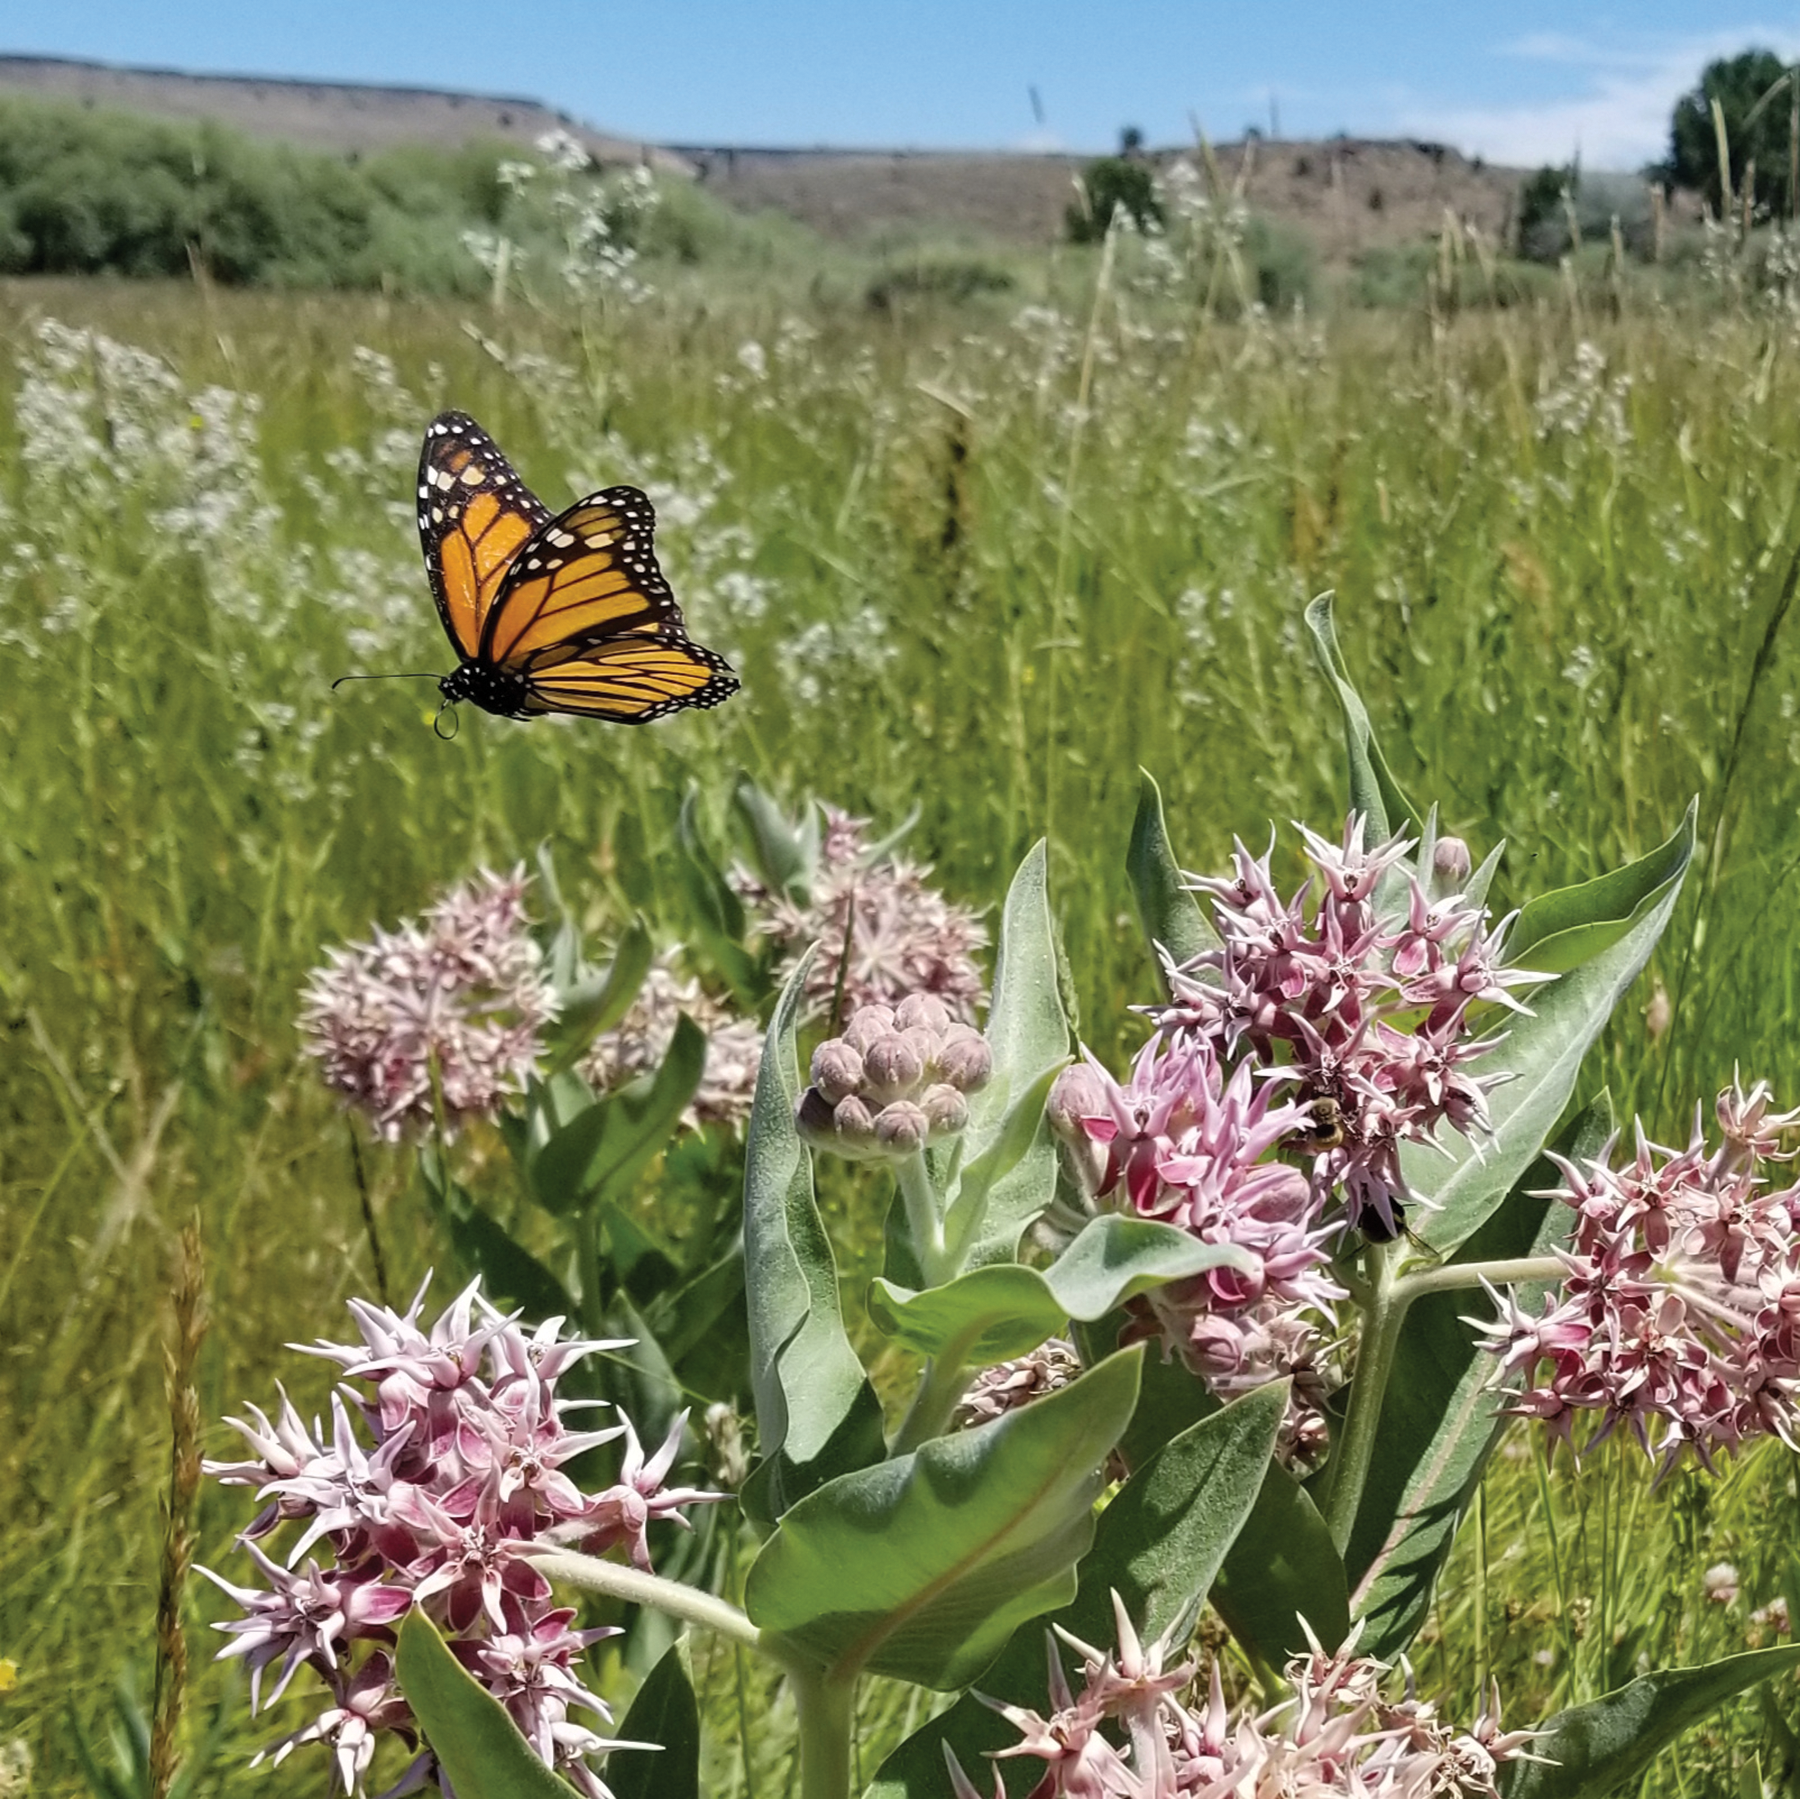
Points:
[922,1217]
[822,1703]
[638,1588]
[1384,1298]
[943,1384]
[1350,1456]
[1454,1276]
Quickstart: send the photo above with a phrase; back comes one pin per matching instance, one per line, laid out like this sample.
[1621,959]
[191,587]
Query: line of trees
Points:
[1758,98]
[84,191]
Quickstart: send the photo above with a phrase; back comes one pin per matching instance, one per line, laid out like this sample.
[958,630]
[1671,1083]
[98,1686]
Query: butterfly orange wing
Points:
[585,576]
[630,680]
[567,613]
[475,515]
[585,616]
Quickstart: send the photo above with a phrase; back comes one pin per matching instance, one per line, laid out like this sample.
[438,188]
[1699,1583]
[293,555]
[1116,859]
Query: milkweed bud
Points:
[1450,865]
[963,1058]
[867,1024]
[1077,1093]
[852,1124]
[814,1118]
[923,1010]
[837,1070]
[945,1109]
[894,1080]
[901,1128]
[892,1067]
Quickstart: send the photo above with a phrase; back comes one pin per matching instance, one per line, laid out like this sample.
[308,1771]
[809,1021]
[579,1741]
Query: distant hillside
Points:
[1347,195]
[325,115]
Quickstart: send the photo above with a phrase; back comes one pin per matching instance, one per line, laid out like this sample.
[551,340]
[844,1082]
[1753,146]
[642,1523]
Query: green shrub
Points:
[86,192]
[1756,118]
[1113,184]
[953,278]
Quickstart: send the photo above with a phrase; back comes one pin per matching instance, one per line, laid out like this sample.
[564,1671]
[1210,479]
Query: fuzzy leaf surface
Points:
[1159,1544]
[1551,931]
[816,1414]
[665,1712]
[480,1746]
[1373,790]
[1028,1031]
[1610,1741]
[1006,1309]
[923,1567]
[1543,1052]
[1283,1567]
[1166,907]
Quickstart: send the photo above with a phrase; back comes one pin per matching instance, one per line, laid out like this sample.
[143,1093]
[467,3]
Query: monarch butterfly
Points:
[564,613]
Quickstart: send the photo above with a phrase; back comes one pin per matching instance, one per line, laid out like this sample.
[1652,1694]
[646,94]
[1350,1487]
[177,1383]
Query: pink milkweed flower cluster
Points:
[1006,1386]
[637,1044]
[443,1467]
[1680,1309]
[1336,1738]
[1325,1029]
[1181,1143]
[1365,1010]
[459,996]
[905,937]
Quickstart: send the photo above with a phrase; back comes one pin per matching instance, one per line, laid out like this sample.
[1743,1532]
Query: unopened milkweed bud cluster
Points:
[895,1080]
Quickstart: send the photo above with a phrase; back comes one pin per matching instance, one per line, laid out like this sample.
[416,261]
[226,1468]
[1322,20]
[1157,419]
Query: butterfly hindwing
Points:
[584,576]
[631,680]
[475,515]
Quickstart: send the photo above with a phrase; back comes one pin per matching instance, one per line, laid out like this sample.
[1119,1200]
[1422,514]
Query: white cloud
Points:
[1618,120]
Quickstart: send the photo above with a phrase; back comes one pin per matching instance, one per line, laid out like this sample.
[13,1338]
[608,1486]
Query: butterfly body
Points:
[564,612]
[490,688]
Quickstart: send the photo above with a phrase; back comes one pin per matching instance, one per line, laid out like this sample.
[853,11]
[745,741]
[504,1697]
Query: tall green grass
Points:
[984,560]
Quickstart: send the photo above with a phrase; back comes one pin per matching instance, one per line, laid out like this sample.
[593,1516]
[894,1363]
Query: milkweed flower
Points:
[1006,1386]
[444,1468]
[637,1044]
[1181,1143]
[1365,1008]
[459,997]
[1336,1737]
[1679,1313]
[904,936]
[1330,1026]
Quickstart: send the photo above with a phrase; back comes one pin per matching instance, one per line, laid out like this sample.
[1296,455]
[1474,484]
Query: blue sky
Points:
[1528,81]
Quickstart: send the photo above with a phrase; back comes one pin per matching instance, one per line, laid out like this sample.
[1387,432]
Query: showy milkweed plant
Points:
[1237,1326]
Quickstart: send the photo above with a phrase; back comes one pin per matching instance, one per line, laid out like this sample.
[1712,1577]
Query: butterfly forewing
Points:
[584,576]
[475,515]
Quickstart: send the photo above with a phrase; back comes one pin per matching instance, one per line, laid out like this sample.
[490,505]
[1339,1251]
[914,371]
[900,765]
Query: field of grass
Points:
[983,559]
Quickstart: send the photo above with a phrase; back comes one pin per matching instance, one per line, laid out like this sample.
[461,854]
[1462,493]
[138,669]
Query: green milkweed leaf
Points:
[816,1414]
[1158,1545]
[468,1728]
[921,1568]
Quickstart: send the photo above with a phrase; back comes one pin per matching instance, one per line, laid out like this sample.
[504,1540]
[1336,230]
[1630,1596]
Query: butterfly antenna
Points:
[424,675]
